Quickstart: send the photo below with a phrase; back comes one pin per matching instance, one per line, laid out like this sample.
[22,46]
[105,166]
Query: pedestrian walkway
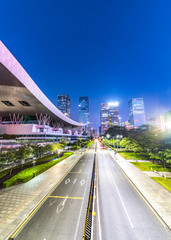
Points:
[17,202]
[155,194]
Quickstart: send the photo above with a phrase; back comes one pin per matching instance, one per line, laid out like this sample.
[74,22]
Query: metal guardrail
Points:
[88,222]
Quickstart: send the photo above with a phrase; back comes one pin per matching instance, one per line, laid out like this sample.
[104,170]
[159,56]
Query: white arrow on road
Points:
[61,206]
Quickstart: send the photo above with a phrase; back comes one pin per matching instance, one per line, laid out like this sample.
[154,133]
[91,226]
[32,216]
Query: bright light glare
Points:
[113,104]
[168,125]
[108,136]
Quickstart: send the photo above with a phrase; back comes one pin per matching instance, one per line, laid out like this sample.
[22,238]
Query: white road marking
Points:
[75,181]
[80,170]
[121,199]
[82,182]
[79,218]
[60,207]
[83,164]
[67,181]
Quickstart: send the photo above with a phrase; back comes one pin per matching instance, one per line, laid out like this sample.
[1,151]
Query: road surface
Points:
[122,214]
[62,216]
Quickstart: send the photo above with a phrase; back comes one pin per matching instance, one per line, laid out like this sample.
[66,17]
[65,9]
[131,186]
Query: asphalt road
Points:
[62,216]
[122,214]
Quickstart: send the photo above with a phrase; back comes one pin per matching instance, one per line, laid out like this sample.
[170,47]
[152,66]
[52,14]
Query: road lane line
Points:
[121,198]
[65,197]
[78,222]
[98,208]
[75,181]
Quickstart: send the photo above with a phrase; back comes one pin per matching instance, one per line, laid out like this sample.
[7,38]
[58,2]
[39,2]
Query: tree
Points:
[116,130]
[23,153]
[164,156]
[55,147]
[10,157]
[38,150]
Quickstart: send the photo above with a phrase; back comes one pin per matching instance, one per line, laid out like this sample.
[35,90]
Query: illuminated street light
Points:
[108,136]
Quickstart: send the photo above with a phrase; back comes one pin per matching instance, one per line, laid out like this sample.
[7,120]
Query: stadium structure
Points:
[24,109]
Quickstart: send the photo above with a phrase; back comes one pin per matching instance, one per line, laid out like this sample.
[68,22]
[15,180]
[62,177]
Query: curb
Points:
[142,195]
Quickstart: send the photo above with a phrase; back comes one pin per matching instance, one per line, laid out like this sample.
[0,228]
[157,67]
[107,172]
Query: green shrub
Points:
[27,174]
[89,144]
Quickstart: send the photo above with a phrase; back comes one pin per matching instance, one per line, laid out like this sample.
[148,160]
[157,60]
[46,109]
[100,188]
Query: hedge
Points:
[29,173]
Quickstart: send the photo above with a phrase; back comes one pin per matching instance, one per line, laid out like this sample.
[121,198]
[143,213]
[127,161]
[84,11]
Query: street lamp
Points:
[108,136]
[118,137]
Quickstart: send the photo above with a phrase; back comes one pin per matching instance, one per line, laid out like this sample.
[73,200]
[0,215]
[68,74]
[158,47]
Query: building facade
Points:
[84,110]
[109,116]
[64,104]
[24,109]
[166,122]
[136,112]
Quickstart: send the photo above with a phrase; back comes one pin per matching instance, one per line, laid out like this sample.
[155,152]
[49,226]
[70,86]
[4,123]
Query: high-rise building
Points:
[166,125]
[84,110]
[109,116]
[64,104]
[136,112]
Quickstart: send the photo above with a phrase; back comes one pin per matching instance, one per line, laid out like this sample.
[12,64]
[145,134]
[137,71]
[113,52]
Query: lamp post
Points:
[108,136]
[118,137]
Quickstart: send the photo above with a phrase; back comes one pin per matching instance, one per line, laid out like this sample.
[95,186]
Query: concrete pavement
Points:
[17,202]
[156,195]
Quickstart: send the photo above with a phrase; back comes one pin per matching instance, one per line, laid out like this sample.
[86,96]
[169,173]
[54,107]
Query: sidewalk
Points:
[17,202]
[155,194]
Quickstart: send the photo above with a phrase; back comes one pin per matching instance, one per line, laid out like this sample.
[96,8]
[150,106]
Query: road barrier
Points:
[88,222]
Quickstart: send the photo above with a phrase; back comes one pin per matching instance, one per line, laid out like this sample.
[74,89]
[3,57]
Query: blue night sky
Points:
[107,50]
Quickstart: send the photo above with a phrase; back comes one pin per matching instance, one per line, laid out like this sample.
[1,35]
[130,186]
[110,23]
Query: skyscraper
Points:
[136,112]
[64,104]
[84,110]
[109,116]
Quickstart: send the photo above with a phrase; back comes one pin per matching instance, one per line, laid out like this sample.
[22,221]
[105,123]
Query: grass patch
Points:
[29,173]
[146,166]
[164,182]
[89,144]
[133,155]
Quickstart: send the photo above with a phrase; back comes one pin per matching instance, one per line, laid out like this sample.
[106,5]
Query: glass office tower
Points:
[109,116]
[64,104]
[84,110]
[136,112]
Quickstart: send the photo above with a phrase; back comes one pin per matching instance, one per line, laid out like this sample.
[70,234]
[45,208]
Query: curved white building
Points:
[22,100]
